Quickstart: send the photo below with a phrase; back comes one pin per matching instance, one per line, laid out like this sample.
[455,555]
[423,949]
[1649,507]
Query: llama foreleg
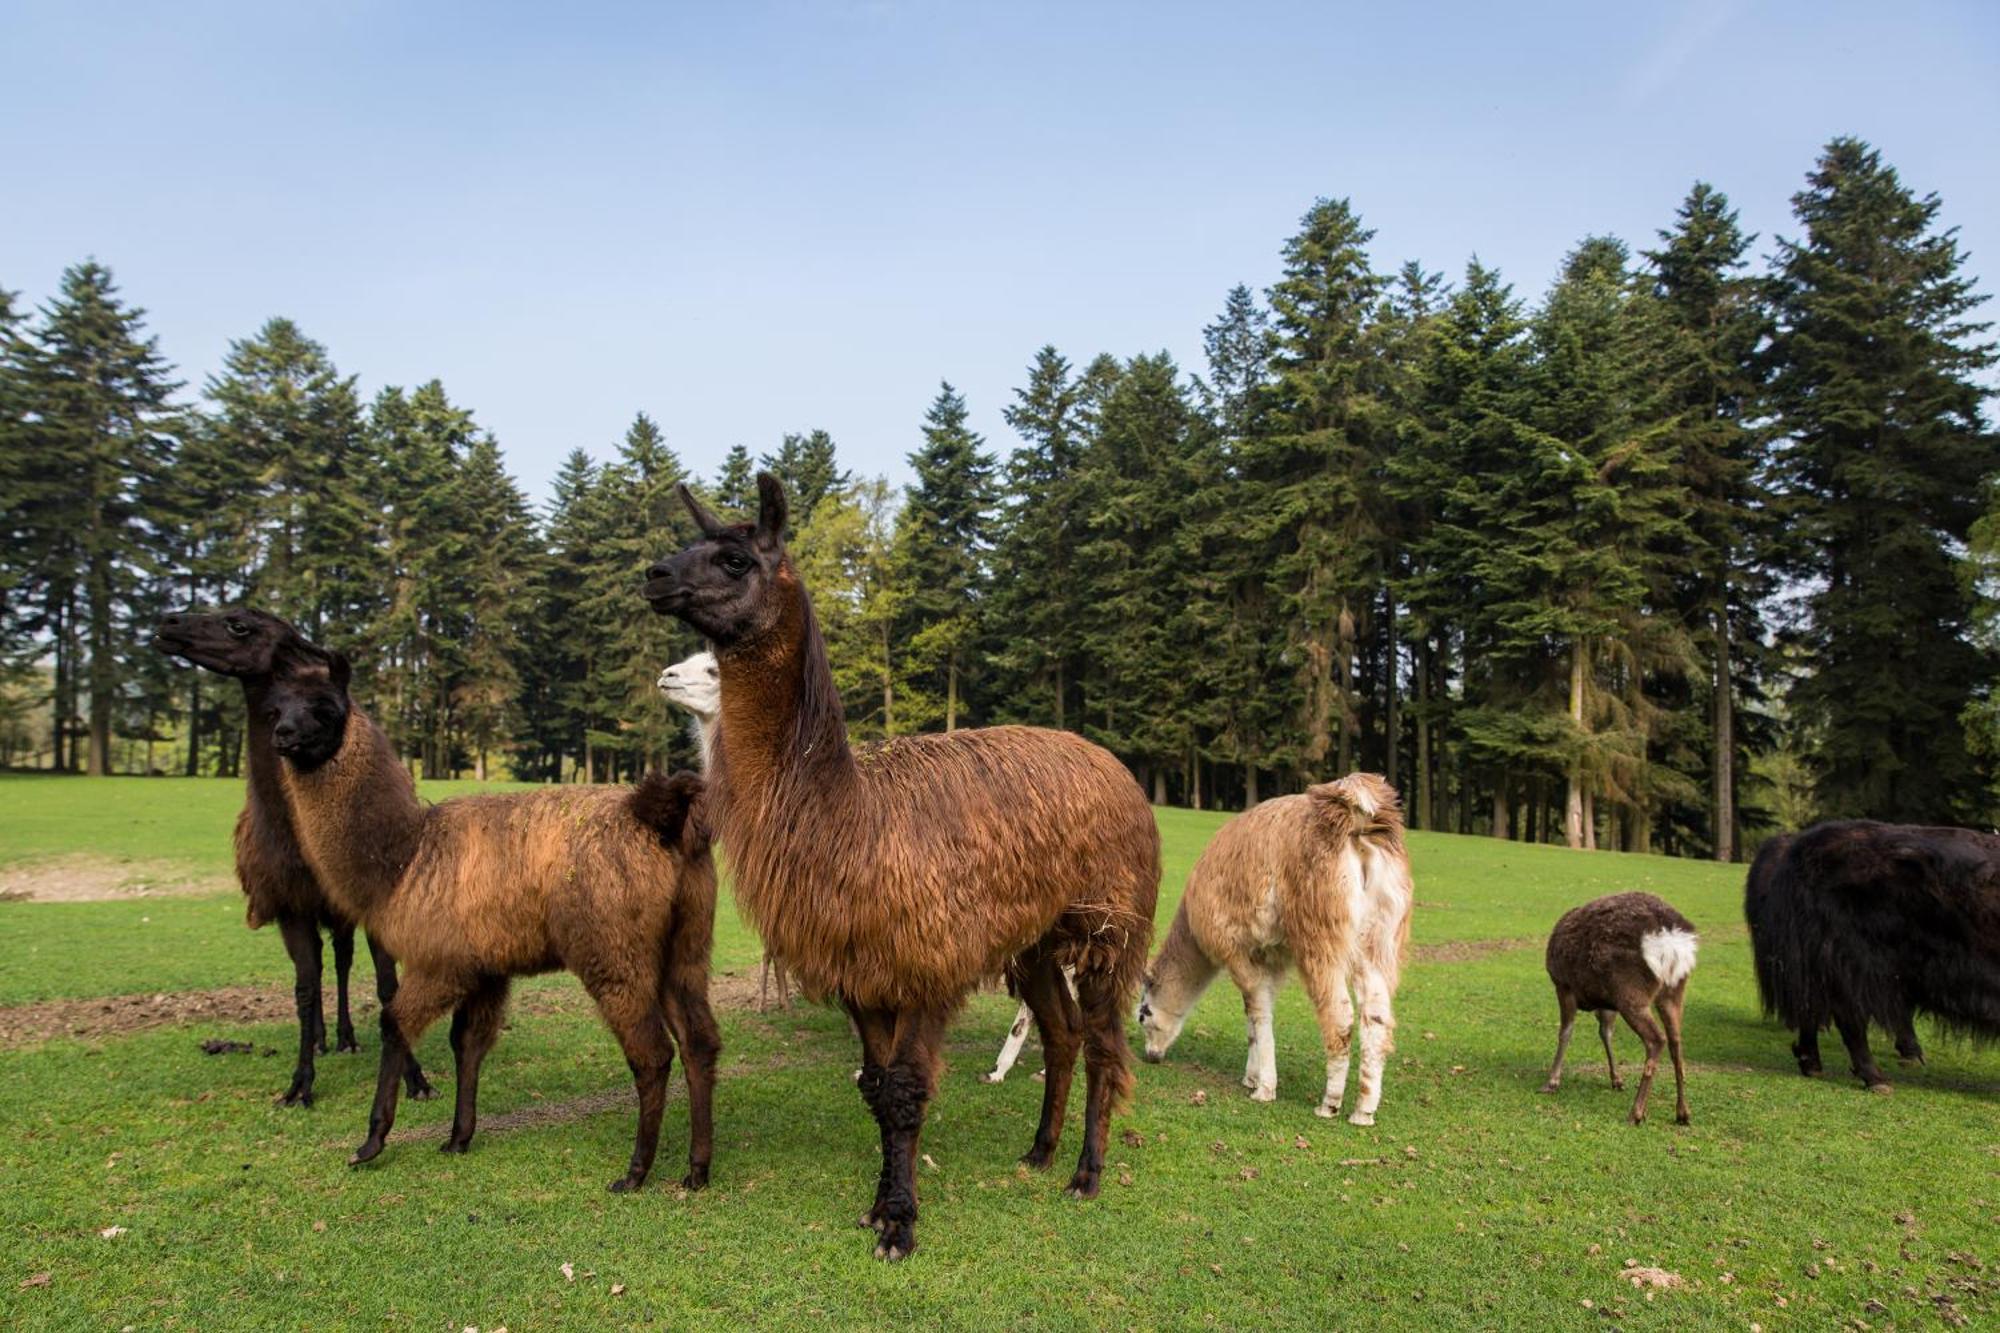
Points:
[420,1001]
[301,937]
[1607,1019]
[414,1083]
[900,1098]
[343,963]
[1010,1050]
[1566,1002]
[1326,984]
[1378,1030]
[1259,989]
[1854,1035]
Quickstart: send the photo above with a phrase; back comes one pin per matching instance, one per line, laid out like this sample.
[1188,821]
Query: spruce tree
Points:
[807,467]
[943,537]
[1883,460]
[736,484]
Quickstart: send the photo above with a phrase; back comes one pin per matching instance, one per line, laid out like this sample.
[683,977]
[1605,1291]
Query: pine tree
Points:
[736,485]
[1239,346]
[99,399]
[943,537]
[848,560]
[807,467]
[1883,460]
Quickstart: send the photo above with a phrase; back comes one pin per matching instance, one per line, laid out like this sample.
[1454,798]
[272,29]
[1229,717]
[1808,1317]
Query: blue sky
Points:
[752,218]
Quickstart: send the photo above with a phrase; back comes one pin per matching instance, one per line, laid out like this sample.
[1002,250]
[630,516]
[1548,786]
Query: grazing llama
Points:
[613,883]
[1855,922]
[1624,955]
[1320,881]
[896,878]
[695,684]
[277,883]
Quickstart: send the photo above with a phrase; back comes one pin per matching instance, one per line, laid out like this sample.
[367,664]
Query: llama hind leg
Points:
[1107,1074]
[1378,1030]
[1326,984]
[1060,1023]
[1010,1049]
[1669,1006]
[1566,1002]
[1607,1019]
[343,963]
[475,1026]
[1854,1035]
[685,997]
[415,1084]
[420,1001]
[1634,1012]
[634,1015]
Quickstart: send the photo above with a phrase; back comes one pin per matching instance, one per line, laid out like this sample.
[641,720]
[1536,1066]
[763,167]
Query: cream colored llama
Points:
[1320,881]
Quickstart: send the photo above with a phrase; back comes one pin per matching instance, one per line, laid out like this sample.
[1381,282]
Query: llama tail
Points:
[1669,954]
[670,806]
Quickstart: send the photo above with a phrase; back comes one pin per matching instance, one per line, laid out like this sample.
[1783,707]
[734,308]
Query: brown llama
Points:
[277,883]
[613,883]
[894,879]
[1624,955]
[1320,881]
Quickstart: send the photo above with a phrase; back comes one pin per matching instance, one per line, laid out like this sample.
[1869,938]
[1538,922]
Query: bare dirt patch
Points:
[92,879]
[104,1016]
[1467,951]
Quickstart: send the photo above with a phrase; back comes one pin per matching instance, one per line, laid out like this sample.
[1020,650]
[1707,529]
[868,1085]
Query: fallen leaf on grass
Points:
[1654,1277]
[569,1272]
[109,1232]
[1132,1138]
[1213,1268]
[1124,1177]
[1361,1161]
[1199,1097]
[319,1226]
[42,1280]
[1248,1173]
[1301,1143]
[929,1162]
[618,1289]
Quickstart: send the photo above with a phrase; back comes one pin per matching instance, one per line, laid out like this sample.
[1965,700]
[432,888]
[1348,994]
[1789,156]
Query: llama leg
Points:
[634,1015]
[1566,1002]
[420,1001]
[1378,1038]
[685,997]
[1634,1011]
[1854,1035]
[1669,1004]
[1249,1045]
[1010,1050]
[1908,1049]
[1107,1068]
[1326,985]
[301,936]
[1806,1049]
[415,1084]
[475,1026]
[1060,1023]
[343,963]
[877,1030]
[1606,1020]
[905,1090]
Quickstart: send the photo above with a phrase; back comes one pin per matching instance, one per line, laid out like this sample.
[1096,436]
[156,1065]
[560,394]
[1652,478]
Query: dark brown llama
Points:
[613,883]
[276,881]
[895,879]
[1625,955]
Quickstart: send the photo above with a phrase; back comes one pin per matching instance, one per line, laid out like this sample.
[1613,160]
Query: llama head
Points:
[308,706]
[695,684]
[233,641]
[1163,1011]
[1357,802]
[726,585]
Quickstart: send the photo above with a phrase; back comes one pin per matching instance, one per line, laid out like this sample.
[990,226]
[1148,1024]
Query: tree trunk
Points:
[1424,734]
[1060,726]
[1500,809]
[951,692]
[103,666]
[1346,714]
[1160,784]
[479,767]
[1725,742]
[1394,723]
[194,724]
[1194,778]
[1249,785]
[1573,812]
[1590,821]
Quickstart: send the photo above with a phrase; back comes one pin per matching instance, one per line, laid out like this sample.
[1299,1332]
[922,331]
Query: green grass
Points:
[1474,1202]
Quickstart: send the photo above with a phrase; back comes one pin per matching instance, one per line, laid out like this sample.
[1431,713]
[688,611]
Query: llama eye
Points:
[736,562]
[237,629]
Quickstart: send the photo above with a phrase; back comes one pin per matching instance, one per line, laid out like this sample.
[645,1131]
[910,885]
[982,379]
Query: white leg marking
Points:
[1010,1050]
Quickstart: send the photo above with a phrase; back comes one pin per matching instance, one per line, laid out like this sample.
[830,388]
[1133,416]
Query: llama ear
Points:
[771,511]
[709,524]
[340,670]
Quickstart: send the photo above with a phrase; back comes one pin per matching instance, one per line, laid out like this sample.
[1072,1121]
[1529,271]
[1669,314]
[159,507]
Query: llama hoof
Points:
[1909,1060]
[1040,1076]
[369,1150]
[871,1220]
[899,1241]
[297,1096]
[1250,1081]
[1362,1118]
[628,1183]
[993,1076]
[455,1145]
[347,1046]
[1263,1094]
[1082,1186]
[1038,1159]
[1550,1088]
[1683,1118]
[418,1088]
[1637,1117]
[1618,1085]
[1326,1110]
[695,1179]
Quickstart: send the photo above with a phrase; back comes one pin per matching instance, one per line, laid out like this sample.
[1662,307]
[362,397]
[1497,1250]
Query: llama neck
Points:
[357,817]
[703,728]
[1181,972]
[781,715]
[261,761]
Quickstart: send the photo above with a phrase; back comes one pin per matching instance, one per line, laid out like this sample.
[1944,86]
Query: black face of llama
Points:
[232,641]
[718,585]
[308,707]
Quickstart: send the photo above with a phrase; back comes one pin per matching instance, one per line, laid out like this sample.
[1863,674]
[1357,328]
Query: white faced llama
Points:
[1320,880]
[695,683]
[1625,954]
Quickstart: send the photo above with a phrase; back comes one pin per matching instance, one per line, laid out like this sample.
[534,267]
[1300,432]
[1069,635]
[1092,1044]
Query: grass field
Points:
[1473,1203]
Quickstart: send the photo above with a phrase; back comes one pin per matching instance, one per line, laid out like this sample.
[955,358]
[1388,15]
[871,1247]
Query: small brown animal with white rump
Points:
[1321,880]
[1625,954]
[613,883]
